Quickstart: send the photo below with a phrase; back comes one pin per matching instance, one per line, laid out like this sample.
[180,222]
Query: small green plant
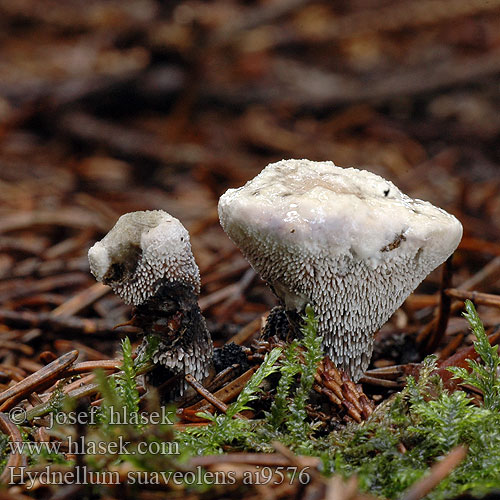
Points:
[228,429]
[287,419]
[394,448]
[125,381]
[297,424]
[119,392]
[123,426]
[482,375]
[289,368]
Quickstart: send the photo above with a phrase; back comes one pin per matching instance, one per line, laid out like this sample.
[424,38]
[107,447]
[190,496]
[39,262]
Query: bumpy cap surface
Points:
[140,252]
[345,240]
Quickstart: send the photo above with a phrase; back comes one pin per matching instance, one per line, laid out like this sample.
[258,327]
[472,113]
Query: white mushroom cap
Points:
[140,251]
[345,240]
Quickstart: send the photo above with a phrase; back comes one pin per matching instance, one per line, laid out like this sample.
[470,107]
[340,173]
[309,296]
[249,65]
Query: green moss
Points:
[484,374]
[225,429]
[423,423]
[396,446]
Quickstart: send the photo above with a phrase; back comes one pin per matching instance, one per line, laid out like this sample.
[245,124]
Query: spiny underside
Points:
[141,251]
[350,299]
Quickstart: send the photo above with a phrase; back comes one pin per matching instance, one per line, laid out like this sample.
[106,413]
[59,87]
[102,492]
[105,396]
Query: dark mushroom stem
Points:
[279,324]
[184,342]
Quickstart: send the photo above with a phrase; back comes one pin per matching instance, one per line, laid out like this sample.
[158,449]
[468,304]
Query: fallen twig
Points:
[16,459]
[485,299]
[43,377]
[71,325]
[437,473]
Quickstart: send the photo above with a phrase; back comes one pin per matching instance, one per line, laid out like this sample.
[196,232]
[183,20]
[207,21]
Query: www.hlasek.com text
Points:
[198,476]
[87,446]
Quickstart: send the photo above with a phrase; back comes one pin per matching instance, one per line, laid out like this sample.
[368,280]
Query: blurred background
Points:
[109,106]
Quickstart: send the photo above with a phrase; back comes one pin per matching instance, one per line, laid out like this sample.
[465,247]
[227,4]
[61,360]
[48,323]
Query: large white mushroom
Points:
[147,259]
[345,240]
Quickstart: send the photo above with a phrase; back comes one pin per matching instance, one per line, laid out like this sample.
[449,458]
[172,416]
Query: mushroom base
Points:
[286,325]
[185,345]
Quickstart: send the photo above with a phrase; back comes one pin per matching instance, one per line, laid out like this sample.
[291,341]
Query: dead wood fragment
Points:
[223,377]
[14,372]
[429,344]
[90,354]
[80,391]
[44,377]
[451,347]
[388,384]
[227,393]
[246,333]
[207,395]
[16,346]
[128,142]
[229,272]
[264,459]
[460,359]
[402,15]
[17,290]
[479,245]
[81,300]
[437,473]
[485,299]
[38,268]
[47,357]
[30,365]
[78,383]
[68,246]
[11,244]
[312,88]
[487,273]
[72,325]
[88,366]
[229,292]
[70,217]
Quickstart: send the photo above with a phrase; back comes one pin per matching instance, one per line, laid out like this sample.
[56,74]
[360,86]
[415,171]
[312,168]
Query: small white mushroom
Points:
[147,259]
[345,240]
[141,251]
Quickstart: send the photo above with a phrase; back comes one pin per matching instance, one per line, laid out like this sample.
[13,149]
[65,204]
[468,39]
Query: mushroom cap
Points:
[140,252]
[345,240]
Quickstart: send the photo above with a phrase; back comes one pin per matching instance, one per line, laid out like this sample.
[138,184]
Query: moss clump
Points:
[396,446]
[424,422]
